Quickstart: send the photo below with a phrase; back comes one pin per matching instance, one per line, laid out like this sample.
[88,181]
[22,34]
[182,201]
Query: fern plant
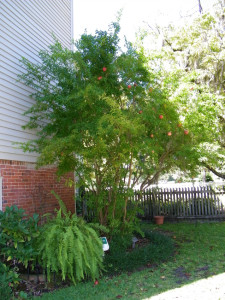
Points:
[70,247]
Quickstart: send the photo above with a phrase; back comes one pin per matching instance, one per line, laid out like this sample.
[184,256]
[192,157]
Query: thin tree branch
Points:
[214,171]
[200,7]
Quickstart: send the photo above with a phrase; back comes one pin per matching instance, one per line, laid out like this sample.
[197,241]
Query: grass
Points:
[199,253]
[120,260]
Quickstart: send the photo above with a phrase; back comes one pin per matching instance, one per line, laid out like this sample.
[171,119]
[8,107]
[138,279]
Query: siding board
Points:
[12,68]
[12,117]
[45,21]
[11,148]
[12,97]
[16,51]
[26,28]
[9,124]
[10,83]
[12,108]
[15,155]
[15,134]
[47,9]
[18,139]
[20,37]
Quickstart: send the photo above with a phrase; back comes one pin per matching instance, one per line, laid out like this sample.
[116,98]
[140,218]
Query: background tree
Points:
[191,67]
[101,112]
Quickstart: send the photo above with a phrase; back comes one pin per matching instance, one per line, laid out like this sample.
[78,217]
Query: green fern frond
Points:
[70,247]
[61,203]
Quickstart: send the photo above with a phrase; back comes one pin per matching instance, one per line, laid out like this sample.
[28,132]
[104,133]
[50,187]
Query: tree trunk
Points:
[128,186]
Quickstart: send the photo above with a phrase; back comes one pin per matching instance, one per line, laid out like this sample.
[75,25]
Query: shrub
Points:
[70,247]
[17,235]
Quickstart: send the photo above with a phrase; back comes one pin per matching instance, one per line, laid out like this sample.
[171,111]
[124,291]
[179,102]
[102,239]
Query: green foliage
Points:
[208,178]
[191,62]
[70,247]
[102,104]
[127,228]
[18,235]
[121,259]
[22,295]
[8,279]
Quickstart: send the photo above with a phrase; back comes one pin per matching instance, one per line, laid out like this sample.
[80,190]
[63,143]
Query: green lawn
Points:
[199,253]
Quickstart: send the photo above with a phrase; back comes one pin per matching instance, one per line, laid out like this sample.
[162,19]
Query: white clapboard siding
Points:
[26,27]
[16,100]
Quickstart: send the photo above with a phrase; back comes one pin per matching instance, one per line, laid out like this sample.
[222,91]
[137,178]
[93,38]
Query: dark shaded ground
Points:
[35,287]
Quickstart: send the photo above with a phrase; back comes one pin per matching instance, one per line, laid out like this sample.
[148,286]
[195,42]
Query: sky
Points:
[98,14]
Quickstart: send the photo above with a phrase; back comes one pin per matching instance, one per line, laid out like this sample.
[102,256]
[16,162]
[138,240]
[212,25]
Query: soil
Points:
[35,287]
[181,275]
[142,242]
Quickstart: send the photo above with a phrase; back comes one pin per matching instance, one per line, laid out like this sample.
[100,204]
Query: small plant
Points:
[17,235]
[70,247]
[8,279]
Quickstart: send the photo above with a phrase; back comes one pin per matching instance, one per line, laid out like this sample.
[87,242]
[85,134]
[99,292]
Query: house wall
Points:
[26,27]
[30,189]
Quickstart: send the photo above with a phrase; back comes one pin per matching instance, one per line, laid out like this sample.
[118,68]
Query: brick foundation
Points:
[30,189]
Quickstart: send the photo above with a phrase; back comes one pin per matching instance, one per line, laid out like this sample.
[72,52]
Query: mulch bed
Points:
[37,286]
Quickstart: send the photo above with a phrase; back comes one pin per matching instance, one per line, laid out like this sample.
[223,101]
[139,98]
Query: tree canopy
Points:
[102,112]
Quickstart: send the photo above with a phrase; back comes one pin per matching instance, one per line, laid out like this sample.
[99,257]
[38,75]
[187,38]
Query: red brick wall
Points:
[26,187]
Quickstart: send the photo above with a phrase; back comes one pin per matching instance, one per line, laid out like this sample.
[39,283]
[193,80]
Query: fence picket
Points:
[213,203]
[210,201]
[172,205]
[205,202]
[183,205]
[198,204]
[171,202]
[193,201]
[208,198]
[188,201]
[218,206]
[161,202]
[202,203]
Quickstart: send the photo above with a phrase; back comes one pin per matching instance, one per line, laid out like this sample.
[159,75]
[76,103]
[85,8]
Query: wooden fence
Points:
[182,202]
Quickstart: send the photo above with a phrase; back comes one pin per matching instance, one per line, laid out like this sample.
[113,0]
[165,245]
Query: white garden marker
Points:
[105,244]
[134,241]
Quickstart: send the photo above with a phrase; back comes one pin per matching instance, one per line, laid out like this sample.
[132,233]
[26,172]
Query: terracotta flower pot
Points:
[159,220]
